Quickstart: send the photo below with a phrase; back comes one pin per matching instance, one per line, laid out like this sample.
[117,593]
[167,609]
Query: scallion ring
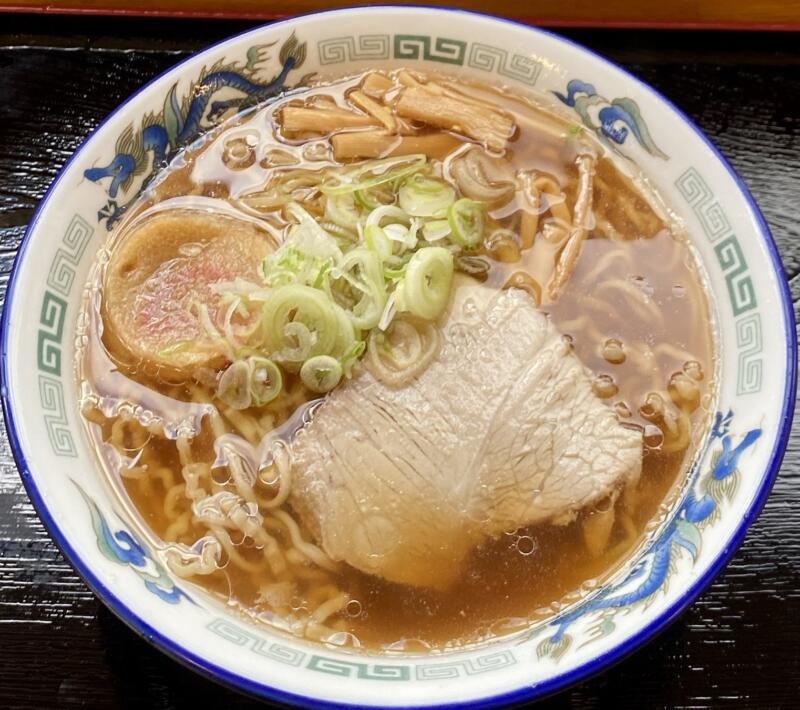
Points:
[425,288]
[321,373]
[233,387]
[266,380]
[422,196]
[436,229]
[299,304]
[377,240]
[346,335]
[358,285]
[466,222]
[342,210]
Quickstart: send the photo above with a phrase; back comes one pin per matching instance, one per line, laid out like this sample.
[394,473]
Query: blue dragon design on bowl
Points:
[183,120]
[682,533]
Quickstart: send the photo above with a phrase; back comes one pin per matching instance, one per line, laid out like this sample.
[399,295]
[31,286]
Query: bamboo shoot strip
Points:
[480,123]
[377,144]
[298,119]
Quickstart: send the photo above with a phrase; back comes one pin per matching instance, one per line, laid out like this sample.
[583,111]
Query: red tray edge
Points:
[532,20]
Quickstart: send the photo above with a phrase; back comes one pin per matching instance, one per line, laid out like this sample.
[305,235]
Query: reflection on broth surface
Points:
[273,285]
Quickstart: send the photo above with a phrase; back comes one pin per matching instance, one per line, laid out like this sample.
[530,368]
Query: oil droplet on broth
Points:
[354,608]
[525,545]
[613,351]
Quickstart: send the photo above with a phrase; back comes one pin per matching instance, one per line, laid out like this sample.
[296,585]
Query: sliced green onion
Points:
[321,373]
[200,311]
[344,235]
[366,199]
[389,312]
[436,229]
[320,279]
[472,265]
[357,284]
[178,346]
[388,212]
[377,197]
[377,240]
[395,266]
[342,210]
[305,255]
[373,173]
[309,238]
[351,357]
[400,234]
[346,335]
[466,222]
[234,385]
[422,196]
[298,342]
[266,380]
[304,305]
[337,286]
[425,289]
[390,272]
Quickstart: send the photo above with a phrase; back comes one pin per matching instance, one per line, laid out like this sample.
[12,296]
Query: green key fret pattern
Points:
[750,365]
[241,637]
[51,332]
[336,50]
[363,669]
[440,49]
[51,397]
[741,292]
[50,336]
[420,47]
[62,270]
[701,199]
[498,61]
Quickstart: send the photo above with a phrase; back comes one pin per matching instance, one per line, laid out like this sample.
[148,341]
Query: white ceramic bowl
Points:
[728,483]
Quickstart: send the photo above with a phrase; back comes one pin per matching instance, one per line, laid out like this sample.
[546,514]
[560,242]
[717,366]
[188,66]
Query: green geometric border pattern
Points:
[441,49]
[741,292]
[49,345]
[359,669]
[62,270]
[494,59]
[336,50]
[51,397]
[446,50]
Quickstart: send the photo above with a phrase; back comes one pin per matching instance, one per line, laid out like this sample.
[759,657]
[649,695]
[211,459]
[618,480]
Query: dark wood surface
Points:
[737,646]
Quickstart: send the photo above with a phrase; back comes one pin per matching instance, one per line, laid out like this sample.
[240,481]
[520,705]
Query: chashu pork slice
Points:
[501,431]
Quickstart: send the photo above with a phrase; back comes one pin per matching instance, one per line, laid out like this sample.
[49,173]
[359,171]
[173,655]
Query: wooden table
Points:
[738,645]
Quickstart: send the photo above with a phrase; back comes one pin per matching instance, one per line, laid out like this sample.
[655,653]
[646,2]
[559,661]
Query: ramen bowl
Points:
[104,540]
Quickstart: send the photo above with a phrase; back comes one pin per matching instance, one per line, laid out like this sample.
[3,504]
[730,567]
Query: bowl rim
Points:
[558,681]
